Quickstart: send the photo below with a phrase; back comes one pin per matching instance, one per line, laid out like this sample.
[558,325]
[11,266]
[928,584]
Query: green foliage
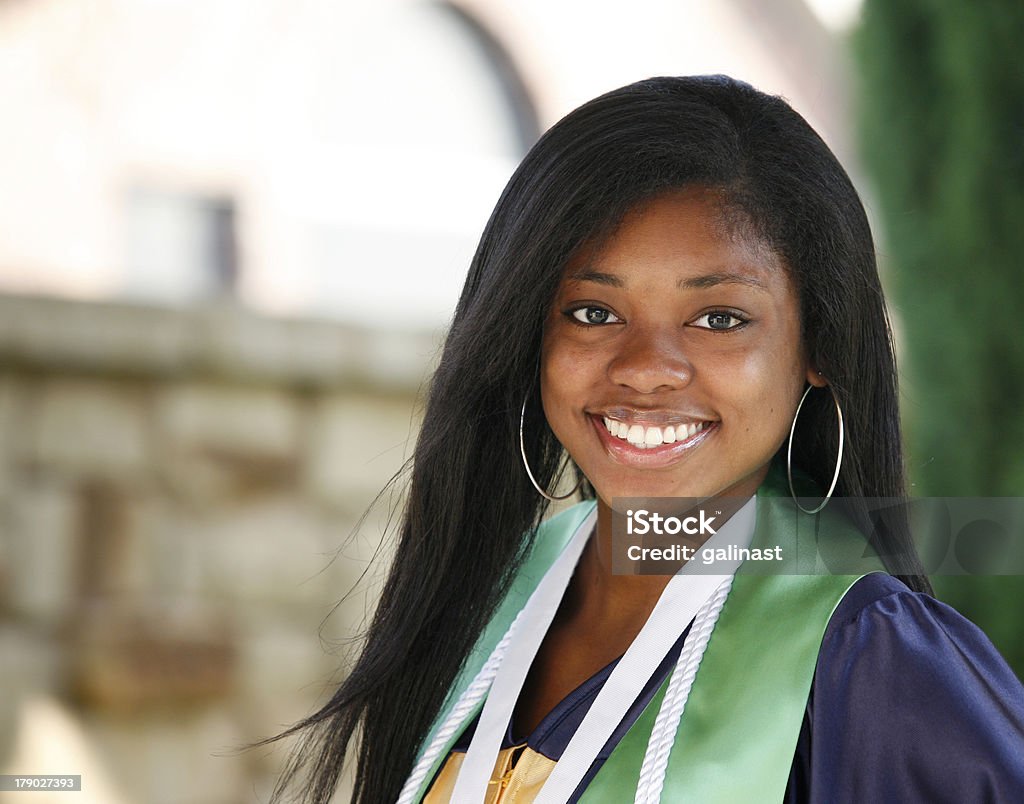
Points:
[942,110]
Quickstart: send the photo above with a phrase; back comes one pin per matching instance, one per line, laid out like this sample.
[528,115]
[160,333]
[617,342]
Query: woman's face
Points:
[671,363]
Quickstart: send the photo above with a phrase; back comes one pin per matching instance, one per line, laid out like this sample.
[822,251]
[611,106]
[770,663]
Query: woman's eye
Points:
[719,320]
[594,315]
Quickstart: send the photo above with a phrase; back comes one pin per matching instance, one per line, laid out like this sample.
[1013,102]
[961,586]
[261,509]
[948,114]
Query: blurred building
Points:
[231,234]
[323,158]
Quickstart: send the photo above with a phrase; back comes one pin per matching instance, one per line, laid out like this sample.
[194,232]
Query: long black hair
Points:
[471,511]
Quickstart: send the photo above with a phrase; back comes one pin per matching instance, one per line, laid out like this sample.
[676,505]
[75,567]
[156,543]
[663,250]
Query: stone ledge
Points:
[224,341]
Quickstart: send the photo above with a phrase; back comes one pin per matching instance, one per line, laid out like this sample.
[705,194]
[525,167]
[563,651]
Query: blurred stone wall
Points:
[177,494]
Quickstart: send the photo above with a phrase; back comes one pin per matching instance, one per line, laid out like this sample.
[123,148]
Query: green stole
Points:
[739,731]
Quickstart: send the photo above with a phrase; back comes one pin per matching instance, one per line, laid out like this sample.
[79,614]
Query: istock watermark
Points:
[641,522]
[951,536]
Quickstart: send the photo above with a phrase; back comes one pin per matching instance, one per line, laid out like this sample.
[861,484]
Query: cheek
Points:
[556,372]
[561,382]
[767,384]
[569,378]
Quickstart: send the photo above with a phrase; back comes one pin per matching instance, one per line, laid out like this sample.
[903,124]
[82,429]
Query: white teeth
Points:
[644,437]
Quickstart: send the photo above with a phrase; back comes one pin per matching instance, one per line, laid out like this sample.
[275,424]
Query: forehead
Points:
[691,233]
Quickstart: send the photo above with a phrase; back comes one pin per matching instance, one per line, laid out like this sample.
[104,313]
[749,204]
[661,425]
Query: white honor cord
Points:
[679,603]
[469,698]
[663,735]
[483,680]
[524,642]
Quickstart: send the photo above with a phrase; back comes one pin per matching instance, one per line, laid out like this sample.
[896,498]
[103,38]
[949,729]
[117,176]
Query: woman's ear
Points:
[815,377]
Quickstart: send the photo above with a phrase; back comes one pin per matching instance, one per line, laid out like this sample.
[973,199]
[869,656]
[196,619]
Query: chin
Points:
[651,489]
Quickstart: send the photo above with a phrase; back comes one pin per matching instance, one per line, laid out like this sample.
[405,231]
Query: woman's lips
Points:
[650,456]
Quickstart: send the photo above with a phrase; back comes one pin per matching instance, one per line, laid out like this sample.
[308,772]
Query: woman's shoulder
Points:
[879,606]
[912,702]
[881,600]
[882,625]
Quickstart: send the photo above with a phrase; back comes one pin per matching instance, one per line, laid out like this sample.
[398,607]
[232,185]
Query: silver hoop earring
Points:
[789,452]
[526,464]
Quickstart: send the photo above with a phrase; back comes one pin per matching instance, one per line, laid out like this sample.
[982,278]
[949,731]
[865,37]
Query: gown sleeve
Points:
[910,703]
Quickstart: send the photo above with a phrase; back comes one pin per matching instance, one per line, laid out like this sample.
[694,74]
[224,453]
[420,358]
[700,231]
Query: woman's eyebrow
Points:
[599,277]
[689,283]
[724,278]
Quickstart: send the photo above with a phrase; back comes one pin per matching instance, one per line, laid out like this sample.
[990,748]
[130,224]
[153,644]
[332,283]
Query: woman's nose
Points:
[651,360]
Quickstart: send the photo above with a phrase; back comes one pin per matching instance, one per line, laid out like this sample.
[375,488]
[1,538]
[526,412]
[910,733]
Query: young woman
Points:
[676,271]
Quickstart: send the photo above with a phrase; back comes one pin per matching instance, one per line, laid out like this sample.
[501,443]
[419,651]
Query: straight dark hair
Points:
[471,512]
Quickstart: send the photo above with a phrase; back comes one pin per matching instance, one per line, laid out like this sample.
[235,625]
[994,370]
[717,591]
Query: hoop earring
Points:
[526,464]
[789,452]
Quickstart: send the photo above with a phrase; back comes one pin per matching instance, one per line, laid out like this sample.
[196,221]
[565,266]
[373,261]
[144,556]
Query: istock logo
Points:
[641,522]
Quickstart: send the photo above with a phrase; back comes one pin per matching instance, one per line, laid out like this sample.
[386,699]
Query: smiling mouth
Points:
[649,436]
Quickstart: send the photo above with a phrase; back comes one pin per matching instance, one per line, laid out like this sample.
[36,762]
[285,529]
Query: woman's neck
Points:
[621,603]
